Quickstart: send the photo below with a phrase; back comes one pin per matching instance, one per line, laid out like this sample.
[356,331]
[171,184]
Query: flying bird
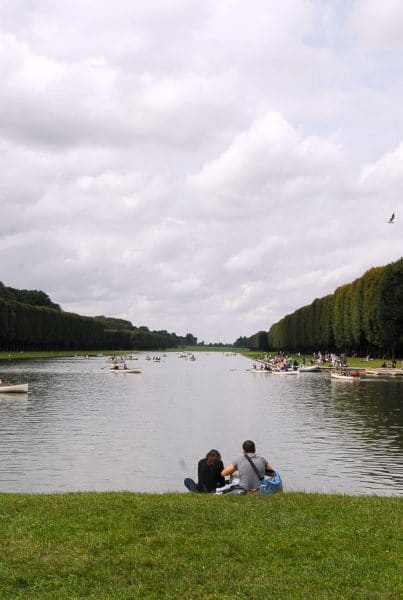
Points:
[392,218]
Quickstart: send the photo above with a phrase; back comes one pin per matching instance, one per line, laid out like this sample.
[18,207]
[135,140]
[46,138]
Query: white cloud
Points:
[387,171]
[267,164]
[377,24]
[259,254]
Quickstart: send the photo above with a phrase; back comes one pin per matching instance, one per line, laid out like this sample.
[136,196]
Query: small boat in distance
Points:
[121,370]
[389,372]
[21,388]
[354,376]
[285,372]
[309,369]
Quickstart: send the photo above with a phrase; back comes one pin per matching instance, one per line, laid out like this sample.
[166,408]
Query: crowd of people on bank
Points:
[283,360]
[244,473]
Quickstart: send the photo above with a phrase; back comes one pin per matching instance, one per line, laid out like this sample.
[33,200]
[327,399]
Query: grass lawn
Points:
[63,353]
[60,353]
[124,545]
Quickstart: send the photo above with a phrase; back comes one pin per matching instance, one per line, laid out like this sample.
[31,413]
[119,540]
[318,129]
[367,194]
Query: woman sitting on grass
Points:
[209,474]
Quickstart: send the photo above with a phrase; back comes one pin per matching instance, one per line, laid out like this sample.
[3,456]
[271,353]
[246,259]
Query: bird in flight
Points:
[392,218]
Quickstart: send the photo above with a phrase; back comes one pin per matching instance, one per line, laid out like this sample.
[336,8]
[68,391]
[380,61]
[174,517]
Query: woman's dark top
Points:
[209,477]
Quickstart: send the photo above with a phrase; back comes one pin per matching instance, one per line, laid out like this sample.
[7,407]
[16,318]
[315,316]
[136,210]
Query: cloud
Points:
[387,171]
[264,165]
[255,256]
[60,104]
[377,25]
[202,168]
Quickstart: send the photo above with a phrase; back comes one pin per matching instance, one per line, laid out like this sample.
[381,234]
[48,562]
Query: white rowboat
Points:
[384,372]
[21,388]
[345,377]
[289,372]
[125,370]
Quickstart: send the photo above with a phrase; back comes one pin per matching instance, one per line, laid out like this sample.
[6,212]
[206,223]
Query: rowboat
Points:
[344,377]
[309,369]
[21,388]
[289,372]
[120,370]
[384,372]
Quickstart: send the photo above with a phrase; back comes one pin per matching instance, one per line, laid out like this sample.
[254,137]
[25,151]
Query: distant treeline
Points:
[363,317]
[33,297]
[29,320]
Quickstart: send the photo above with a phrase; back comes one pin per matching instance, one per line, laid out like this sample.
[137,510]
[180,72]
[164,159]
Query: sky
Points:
[203,167]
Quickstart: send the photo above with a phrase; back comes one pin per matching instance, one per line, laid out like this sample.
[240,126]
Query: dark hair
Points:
[213,457]
[249,446]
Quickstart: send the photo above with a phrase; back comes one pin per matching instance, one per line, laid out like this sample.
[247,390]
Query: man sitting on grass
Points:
[249,479]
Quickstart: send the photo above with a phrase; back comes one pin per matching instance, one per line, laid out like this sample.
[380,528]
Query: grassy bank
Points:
[67,353]
[124,545]
[355,362]
[62,353]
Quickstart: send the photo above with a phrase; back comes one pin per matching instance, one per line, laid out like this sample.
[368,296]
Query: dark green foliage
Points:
[190,340]
[28,326]
[112,323]
[259,341]
[370,306]
[390,306]
[32,297]
[363,317]
[241,342]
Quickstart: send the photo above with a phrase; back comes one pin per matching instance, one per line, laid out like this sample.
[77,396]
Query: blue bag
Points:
[271,485]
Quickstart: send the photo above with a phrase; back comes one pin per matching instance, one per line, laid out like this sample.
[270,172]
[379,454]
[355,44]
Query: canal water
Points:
[81,427]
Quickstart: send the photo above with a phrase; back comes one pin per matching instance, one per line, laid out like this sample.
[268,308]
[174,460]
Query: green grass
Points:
[63,353]
[60,353]
[125,545]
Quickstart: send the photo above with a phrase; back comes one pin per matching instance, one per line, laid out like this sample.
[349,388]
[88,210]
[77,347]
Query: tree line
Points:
[363,317]
[29,320]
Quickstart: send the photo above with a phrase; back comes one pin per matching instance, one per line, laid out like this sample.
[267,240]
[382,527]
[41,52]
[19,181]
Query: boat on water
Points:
[309,369]
[384,372]
[355,376]
[21,388]
[122,370]
[285,372]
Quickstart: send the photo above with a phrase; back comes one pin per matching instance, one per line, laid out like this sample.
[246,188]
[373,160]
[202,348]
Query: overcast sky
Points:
[203,167]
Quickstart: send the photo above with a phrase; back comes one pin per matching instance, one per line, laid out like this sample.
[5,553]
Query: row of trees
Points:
[26,327]
[363,317]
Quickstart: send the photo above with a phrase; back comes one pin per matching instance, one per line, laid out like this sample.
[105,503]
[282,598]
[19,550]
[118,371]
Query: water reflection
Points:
[84,428]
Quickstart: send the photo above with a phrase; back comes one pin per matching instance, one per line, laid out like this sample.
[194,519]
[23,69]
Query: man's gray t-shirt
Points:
[247,476]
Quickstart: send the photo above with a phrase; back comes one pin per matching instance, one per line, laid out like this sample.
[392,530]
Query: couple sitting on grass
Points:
[246,471]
